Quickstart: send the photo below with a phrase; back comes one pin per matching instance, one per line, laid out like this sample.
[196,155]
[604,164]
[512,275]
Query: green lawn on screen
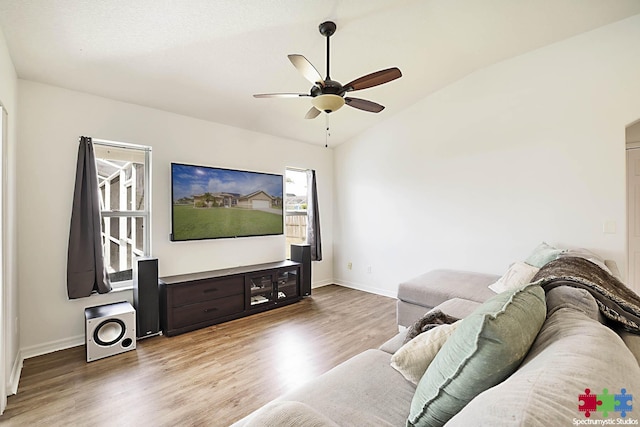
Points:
[207,223]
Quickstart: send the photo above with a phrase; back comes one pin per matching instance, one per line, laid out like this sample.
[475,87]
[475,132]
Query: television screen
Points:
[213,203]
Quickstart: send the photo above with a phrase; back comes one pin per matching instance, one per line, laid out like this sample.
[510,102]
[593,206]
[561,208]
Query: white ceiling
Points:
[205,58]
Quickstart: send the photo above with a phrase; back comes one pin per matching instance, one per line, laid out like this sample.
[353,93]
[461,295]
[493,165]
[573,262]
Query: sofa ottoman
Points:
[420,294]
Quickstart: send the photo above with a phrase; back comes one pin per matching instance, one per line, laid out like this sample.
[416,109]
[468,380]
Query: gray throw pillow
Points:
[574,298]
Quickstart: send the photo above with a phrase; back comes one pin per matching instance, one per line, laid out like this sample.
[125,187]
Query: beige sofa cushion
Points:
[519,274]
[288,414]
[413,358]
[632,341]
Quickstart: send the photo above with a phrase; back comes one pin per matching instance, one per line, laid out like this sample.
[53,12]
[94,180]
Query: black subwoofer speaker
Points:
[302,254]
[146,297]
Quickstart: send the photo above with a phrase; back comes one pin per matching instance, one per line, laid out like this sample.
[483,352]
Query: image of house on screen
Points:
[256,200]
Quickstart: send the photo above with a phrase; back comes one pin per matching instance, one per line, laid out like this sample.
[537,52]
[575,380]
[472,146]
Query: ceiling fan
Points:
[329,95]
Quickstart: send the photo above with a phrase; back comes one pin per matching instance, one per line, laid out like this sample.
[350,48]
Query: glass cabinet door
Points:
[261,289]
[287,281]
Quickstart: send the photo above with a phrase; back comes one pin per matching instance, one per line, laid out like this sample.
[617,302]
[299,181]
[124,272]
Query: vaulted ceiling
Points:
[205,59]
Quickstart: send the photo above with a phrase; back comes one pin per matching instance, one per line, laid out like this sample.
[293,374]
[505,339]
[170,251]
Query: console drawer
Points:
[209,310]
[204,290]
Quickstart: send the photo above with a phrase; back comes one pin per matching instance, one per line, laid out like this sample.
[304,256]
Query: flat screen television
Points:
[216,203]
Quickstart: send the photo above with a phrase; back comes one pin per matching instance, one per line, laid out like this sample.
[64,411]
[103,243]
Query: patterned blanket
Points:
[433,318]
[616,301]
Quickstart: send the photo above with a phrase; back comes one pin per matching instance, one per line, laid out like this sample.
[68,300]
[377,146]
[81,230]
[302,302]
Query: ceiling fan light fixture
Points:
[328,102]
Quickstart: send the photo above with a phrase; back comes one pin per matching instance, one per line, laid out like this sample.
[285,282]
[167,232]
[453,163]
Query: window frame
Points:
[300,212]
[106,213]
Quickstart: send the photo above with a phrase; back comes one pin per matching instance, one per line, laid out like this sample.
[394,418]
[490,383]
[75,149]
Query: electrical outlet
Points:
[369,269]
[349,265]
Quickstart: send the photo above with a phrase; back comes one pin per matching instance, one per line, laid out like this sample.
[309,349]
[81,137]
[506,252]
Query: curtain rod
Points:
[121,144]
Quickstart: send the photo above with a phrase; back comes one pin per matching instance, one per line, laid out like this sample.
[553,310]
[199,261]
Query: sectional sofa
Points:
[547,353]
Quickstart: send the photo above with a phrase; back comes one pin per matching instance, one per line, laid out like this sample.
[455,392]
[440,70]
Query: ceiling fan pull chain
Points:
[327,134]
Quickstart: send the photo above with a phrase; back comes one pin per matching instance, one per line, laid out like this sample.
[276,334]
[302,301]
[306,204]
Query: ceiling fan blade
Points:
[363,104]
[312,113]
[308,71]
[280,95]
[373,79]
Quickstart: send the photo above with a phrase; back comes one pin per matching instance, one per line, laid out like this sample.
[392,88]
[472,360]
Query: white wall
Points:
[52,119]
[9,338]
[476,175]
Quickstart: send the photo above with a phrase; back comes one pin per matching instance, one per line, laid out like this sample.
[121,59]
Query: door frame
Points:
[629,145]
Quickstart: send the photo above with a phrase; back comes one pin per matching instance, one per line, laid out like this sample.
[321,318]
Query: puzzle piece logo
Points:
[624,402]
[605,403]
[589,402]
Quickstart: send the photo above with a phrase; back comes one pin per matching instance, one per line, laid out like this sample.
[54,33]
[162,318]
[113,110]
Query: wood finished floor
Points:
[210,377]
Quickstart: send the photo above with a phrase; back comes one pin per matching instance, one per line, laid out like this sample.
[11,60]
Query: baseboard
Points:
[38,350]
[51,346]
[322,283]
[14,377]
[359,287]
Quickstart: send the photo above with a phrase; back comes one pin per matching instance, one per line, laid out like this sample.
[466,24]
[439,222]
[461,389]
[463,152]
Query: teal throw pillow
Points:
[542,254]
[484,350]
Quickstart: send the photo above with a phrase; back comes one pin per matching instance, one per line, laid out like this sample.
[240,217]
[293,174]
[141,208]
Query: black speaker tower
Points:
[302,254]
[146,297]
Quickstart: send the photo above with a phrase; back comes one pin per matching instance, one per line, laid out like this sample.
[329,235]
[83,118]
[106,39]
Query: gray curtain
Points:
[313,218]
[86,271]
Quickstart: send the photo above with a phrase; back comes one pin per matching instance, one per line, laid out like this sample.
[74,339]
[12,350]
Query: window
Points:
[124,180]
[295,207]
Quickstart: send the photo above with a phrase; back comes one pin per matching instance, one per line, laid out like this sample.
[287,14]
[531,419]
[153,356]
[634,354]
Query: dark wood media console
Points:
[196,300]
